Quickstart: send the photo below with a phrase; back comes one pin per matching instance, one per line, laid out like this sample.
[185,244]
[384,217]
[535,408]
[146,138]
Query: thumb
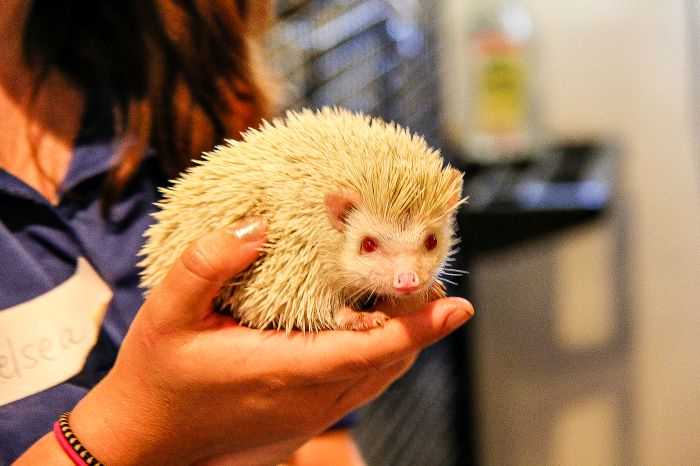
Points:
[433,322]
[184,296]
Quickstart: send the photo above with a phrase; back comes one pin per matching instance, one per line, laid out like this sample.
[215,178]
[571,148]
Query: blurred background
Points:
[576,124]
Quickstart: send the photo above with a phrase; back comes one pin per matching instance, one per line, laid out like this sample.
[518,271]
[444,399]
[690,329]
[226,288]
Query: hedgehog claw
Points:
[347,319]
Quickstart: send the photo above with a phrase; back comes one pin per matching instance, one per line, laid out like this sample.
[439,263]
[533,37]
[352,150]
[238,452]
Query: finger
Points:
[345,354]
[371,386]
[336,399]
[185,294]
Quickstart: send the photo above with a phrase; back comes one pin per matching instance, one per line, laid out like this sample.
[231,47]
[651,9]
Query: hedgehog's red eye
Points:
[430,242]
[369,244]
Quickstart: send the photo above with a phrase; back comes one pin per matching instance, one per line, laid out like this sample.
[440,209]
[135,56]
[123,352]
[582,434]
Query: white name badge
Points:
[46,341]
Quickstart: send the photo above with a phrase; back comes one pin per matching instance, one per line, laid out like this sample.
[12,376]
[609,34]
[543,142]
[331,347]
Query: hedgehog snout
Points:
[406,281]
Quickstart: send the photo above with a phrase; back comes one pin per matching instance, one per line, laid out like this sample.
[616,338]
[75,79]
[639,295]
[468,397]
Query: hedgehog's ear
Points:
[338,206]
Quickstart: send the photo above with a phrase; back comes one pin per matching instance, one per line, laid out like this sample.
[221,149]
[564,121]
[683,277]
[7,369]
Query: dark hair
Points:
[189,70]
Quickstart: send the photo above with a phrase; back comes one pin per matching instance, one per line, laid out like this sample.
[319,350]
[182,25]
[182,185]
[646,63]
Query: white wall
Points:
[620,68]
[663,177]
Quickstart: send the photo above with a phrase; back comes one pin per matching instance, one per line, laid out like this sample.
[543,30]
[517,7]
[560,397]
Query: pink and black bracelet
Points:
[70,444]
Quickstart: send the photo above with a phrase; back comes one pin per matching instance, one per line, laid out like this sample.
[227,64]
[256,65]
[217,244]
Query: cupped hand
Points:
[190,385]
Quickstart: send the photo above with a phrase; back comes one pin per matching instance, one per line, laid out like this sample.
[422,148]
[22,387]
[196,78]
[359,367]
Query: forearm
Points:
[45,451]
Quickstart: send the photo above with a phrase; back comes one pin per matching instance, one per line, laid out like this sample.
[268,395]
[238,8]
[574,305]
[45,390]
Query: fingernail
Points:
[457,317]
[252,229]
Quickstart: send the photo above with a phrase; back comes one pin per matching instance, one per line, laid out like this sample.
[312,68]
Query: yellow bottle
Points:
[500,108]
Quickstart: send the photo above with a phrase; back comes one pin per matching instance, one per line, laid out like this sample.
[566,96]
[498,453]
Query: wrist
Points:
[116,424]
[71,445]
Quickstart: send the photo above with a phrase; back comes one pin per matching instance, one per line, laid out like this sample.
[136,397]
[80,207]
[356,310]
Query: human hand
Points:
[190,385]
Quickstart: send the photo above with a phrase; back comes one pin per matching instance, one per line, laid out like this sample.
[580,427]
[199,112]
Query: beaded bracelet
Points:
[70,444]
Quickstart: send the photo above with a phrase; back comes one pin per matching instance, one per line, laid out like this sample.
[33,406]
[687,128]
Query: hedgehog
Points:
[358,210]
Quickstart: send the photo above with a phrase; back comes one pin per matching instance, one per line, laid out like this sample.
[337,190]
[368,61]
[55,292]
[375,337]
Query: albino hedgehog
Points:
[356,207]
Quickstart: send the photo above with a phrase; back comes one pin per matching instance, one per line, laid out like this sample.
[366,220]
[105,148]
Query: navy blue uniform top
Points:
[39,247]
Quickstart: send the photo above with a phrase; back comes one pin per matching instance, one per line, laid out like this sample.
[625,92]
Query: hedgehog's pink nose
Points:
[406,282]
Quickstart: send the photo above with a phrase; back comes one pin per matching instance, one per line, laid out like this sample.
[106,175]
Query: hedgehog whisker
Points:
[448,281]
[434,289]
[356,293]
[362,292]
[348,285]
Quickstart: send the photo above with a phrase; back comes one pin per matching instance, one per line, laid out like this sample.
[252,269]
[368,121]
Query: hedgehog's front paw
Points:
[347,319]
